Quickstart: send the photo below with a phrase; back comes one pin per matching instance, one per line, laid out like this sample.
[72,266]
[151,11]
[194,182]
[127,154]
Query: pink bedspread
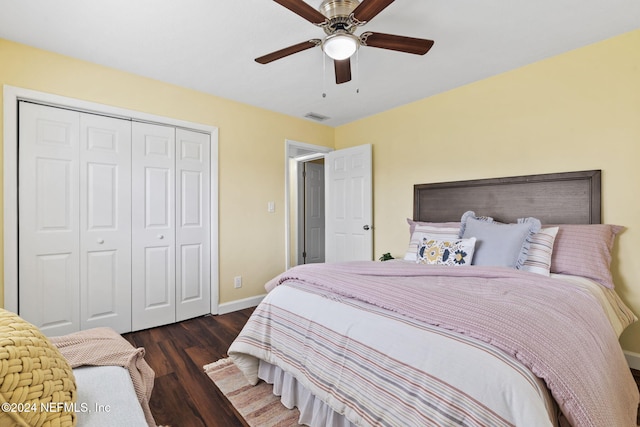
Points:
[562,335]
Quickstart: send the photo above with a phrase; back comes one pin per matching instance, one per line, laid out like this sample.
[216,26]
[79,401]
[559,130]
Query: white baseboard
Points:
[633,359]
[240,304]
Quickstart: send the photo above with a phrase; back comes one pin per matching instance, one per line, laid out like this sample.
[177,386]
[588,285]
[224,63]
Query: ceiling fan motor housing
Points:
[338,12]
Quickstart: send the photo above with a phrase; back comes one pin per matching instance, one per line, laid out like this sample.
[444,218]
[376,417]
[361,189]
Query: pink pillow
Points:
[585,250]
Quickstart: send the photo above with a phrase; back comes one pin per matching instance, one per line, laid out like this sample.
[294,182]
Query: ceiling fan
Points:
[340,19]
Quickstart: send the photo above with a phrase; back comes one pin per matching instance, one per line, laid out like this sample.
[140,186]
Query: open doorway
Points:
[304,200]
[311,221]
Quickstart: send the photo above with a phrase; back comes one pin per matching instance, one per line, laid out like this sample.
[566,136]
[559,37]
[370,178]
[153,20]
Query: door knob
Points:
[160,236]
[366,227]
[100,241]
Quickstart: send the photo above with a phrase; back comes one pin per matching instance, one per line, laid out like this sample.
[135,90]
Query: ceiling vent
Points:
[317,117]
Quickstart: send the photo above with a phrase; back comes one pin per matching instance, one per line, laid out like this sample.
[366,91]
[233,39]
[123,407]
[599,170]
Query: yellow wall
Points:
[576,111]
[251,151]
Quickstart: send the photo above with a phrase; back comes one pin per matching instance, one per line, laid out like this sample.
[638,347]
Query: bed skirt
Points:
[313,411]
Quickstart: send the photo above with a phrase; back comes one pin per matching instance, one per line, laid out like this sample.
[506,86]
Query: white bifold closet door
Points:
[75,220]
[193,224]
[114,223]
[105,222]
[171,267]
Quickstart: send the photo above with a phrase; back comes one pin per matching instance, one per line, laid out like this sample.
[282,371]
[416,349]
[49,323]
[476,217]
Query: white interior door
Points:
[105,222]
[348,219]
[193,252]
[314,246]
[49,226]
[153,225]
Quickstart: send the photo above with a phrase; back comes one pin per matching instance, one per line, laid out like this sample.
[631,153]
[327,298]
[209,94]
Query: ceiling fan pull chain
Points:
[358,71]
[324,75]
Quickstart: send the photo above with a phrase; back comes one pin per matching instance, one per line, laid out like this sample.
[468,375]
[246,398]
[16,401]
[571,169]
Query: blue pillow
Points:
[498,244]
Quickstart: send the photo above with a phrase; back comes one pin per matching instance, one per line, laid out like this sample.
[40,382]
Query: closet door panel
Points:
[159,283]
[105,221]
[153,225]
[48,229]
[193,252]
[100,291]
[158,198]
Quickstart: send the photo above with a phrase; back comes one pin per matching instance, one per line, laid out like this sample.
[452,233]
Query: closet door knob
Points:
[160,236]
[100,241]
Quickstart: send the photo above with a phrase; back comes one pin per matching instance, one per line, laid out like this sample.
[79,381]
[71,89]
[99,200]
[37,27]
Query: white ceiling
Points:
[209,45]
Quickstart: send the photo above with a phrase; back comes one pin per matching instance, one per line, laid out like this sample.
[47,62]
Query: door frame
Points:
[295,153]
[11,96]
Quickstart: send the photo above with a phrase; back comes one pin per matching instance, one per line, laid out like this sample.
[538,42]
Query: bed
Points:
[502,313]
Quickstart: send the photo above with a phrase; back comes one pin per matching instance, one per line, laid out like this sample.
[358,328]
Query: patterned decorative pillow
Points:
[446,252]
[540,251]
[501,245]
[429,232]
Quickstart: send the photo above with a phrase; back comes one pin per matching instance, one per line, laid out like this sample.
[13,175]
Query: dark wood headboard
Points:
[556,198]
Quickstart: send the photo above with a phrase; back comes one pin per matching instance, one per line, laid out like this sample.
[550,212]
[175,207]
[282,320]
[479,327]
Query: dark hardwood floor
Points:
[183,395]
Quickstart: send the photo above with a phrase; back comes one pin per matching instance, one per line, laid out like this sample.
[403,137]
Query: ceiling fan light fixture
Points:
[340,46]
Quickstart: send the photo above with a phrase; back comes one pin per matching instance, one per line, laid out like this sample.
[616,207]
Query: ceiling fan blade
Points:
[343,70]
[304,10]
[399,43]
[368,9]
[278,54]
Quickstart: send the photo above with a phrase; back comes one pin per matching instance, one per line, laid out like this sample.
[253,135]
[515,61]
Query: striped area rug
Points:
[257,404]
